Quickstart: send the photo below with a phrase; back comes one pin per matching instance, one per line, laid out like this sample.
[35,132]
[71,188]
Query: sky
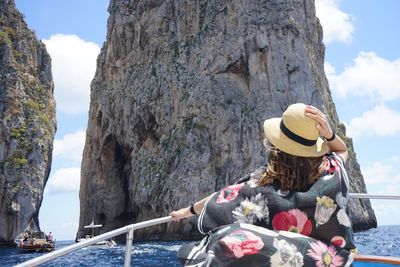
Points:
[362,63]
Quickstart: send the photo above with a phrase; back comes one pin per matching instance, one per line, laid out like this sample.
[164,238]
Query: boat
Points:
[108,243]
[359,260]
[36,241]
[377,261]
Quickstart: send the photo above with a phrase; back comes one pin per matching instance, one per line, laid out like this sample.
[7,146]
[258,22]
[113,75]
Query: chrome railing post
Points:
[128,248]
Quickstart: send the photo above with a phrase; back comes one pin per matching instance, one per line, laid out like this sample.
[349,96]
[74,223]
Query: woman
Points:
[303,190]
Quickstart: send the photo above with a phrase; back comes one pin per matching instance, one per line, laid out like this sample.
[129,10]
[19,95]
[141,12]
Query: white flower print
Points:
[251,210]
[252,183]
[286,255]
[257,173]
[343,218]
[255,176]
[341,200]
[324,210]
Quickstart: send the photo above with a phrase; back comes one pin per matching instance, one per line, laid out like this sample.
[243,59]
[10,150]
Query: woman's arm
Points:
[336,144]
[185,212]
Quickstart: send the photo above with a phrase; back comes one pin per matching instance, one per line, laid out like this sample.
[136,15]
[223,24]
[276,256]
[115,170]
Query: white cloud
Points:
[381,121]
[337,25]
[329,69]
[387,212]
[74,66]
[391,188]
[62,230]
[378,173]
[70,147]
[382,178]
[369,75]
[64,181]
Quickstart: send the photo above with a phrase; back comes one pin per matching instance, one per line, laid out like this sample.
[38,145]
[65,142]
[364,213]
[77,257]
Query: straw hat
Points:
[295,133]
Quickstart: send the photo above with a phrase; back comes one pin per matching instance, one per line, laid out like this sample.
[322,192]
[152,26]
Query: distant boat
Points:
[105,243]
[36,241]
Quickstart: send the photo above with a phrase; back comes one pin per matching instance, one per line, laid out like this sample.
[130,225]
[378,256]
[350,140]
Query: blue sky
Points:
[362,65]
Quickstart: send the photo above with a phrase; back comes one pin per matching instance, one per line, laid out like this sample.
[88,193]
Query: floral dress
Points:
[250,225]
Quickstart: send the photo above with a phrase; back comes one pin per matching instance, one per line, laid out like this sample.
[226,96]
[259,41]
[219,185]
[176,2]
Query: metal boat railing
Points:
[129,229]
[374,196]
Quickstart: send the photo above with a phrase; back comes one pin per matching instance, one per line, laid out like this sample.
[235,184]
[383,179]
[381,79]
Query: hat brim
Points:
[281,141]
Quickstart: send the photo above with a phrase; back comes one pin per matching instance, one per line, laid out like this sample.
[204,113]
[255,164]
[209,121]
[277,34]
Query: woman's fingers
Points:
[322,121]
[317,117]
[316,114]
[312,108]
[315,111]
[175,216]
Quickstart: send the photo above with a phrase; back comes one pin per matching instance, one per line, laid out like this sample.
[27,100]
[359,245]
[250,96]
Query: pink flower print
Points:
[229,193]
[338,241]
[293,221]
[324,256]
[241,243]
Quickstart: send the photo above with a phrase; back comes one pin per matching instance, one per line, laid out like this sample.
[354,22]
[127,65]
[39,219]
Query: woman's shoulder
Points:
[253,176]
[336,157]
[335,178]
[334,162]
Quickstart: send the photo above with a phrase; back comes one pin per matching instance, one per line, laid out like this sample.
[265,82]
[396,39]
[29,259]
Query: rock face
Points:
[179,97]
[27,111]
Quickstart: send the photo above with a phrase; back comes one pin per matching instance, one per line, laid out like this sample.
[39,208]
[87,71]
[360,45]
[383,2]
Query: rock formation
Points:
[27,111]
[179,97]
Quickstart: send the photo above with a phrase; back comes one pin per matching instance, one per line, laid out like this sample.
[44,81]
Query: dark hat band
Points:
[294,137]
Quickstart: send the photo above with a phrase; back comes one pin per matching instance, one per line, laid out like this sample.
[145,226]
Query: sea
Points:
[382,241]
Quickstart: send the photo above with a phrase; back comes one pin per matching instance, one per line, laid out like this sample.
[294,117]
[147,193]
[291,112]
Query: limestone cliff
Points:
[27,111]
[179,97]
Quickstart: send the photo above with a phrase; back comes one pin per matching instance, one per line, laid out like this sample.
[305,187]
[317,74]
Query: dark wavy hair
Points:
[292,172]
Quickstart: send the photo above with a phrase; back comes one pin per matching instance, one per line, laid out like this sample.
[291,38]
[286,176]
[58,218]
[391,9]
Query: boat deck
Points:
[376,261]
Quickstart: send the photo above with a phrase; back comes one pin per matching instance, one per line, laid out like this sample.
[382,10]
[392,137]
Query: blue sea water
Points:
[382,241]
[144,254]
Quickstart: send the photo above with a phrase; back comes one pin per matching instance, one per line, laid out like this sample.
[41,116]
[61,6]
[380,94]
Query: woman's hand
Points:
[323,126]
[180,214]
[335,143]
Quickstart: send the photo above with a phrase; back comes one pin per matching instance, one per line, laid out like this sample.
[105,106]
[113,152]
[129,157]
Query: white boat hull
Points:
[103,244]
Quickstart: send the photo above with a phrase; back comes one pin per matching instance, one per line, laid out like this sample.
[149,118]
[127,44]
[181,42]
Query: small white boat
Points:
[104,243]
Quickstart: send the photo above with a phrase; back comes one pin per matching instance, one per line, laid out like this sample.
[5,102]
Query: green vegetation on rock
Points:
[5,39]
[32,104]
